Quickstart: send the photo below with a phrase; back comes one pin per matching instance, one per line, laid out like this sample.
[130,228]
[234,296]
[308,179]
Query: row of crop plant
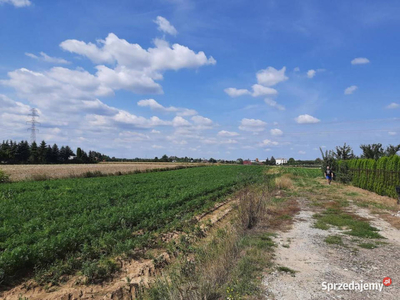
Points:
[380,176]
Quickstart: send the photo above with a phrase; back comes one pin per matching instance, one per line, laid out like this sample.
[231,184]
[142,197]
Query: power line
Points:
[34,114]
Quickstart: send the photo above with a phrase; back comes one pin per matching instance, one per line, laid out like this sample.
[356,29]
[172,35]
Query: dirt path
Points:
[304,250]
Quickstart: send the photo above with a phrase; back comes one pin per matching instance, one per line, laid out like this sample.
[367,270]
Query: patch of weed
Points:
[334,240]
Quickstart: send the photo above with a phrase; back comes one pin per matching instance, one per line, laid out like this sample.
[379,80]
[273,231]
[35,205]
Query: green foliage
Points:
[73,223]
[4,177]
[334,240]
[338,218]
[380,176]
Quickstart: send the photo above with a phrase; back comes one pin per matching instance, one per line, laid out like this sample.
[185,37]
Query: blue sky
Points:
[222,79]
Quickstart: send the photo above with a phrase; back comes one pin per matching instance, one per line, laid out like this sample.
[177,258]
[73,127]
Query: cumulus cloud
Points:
[199,120]
[133,67]
[302,152]
[306,119]
[165,26]
[44,57]
[276,132]
[350,90]
[252,125]
[265,79]
[180,122]
[233,92]
[259,90]
[311,73]
[392,133]
[17,3]
[360,61]
[269,143]
[227,133]
[393,105]
[271,76]
[154,105]
[273,103]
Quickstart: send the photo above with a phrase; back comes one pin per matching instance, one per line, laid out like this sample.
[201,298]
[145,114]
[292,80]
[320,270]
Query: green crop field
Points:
[57,227]
[304,172]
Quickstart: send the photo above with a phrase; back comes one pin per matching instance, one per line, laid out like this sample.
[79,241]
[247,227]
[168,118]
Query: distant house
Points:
[281,161]
[247,162]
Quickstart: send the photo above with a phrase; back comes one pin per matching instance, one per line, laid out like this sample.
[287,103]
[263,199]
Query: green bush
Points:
[380,176]
[4,177]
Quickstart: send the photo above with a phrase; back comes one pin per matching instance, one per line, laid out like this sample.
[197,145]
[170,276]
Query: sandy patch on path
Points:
[316,262]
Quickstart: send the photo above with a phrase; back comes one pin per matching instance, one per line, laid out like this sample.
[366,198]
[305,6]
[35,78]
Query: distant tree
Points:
[22,152]
[42,152]
[156,159]
[55,154]
[392,150]
[34,157]
[267,162]
[328,159]
[344,153]
[291,161]
[273,161]
[79,153]
[212,160]
[373,151]
[240,161]
[164,158]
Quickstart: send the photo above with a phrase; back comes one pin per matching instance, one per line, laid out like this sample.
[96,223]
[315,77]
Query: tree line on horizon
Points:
[12,152]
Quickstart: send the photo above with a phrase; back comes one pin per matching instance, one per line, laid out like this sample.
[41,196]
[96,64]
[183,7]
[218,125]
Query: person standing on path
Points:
[328,174]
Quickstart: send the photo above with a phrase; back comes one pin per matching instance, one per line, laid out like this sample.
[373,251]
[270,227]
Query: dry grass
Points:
[284,182]
[44,172]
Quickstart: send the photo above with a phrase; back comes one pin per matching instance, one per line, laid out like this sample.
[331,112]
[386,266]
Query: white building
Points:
[281,161]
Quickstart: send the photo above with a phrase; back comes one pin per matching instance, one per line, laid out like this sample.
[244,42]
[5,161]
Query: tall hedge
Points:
[380,176]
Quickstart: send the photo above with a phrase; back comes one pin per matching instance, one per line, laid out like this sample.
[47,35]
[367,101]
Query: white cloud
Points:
[268,143]
[165,26]
[273,103]
[259,90]
[155,131]
[157,147]
[276,132]
[306,119]
[47,58]
[360,61]
[302,152]
[227,133]
[135,68]
[199,120]
[393,105]
[350,90]
[392,133]
[311,73]
[233,92]
[252,125]
[17,3]
[154,105]
[271,76]
[180,122]
[11,106]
